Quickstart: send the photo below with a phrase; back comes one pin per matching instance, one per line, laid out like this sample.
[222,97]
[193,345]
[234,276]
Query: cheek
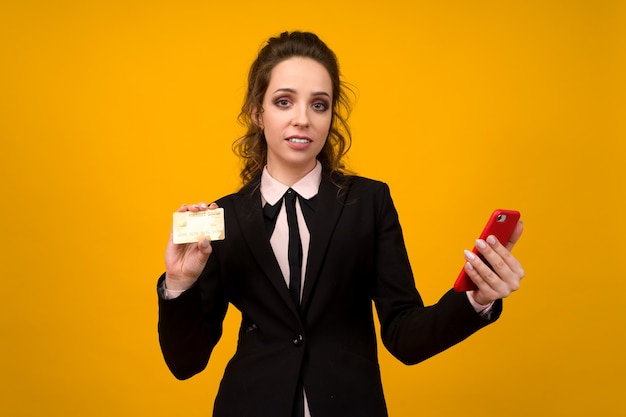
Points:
[322,143]
[326,123]
[275,120]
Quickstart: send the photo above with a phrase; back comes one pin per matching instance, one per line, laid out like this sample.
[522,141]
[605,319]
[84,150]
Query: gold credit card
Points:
[189,227]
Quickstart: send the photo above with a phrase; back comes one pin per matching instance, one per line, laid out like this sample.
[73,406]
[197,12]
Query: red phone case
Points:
[501,224]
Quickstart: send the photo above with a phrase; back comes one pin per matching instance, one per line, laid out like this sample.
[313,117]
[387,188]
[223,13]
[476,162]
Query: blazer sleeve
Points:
[191,325]
[411,331]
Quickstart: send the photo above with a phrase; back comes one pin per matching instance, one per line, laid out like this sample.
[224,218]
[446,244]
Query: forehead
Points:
[300,74]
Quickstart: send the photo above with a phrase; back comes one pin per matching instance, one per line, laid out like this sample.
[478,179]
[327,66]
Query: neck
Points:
[289,175]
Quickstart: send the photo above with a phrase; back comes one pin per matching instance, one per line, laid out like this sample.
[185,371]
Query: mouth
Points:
[299,140]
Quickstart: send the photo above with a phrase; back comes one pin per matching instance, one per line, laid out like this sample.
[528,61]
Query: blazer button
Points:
[298,340]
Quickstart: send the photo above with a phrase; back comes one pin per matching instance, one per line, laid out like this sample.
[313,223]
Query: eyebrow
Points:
[292,91]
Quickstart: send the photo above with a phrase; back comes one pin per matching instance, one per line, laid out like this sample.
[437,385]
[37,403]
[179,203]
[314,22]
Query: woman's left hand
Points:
[507,271]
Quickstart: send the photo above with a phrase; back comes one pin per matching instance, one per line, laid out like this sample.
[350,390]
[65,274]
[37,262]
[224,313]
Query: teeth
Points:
[297,140]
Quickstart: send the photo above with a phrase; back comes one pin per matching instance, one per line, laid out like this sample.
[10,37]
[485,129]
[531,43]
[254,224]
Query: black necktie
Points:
[294,253]
[295,272]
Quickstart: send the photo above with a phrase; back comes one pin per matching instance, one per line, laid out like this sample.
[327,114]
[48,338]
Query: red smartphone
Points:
[501,224]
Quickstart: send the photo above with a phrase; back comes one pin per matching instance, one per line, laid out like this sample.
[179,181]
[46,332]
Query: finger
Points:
[480,273]
[498,257]
[197,207]
[508,267]
[201,206]
[485,292]
[517,233]
[505,266]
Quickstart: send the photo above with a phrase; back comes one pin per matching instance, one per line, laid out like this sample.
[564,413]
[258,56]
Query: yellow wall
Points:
[113,113]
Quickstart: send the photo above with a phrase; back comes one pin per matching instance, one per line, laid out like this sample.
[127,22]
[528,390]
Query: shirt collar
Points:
[308,186]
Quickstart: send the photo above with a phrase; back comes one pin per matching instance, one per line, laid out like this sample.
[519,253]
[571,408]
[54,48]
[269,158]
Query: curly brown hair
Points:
[252,147]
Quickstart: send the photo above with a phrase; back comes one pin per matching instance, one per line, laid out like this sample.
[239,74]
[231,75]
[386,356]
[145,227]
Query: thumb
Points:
[204,246]
[517,233]
[202,255]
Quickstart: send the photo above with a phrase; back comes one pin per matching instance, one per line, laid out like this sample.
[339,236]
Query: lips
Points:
[301,140]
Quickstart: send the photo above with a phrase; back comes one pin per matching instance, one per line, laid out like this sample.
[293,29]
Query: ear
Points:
[255,115]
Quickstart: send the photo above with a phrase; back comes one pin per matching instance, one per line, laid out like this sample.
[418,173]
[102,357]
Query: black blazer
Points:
[357,254]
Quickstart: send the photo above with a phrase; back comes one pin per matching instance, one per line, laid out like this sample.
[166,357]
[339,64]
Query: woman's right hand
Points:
[184,262]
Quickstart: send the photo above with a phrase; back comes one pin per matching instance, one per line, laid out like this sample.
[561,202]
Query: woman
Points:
[312,350]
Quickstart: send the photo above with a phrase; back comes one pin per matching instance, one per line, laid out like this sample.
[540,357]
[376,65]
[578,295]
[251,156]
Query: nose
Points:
[301,116]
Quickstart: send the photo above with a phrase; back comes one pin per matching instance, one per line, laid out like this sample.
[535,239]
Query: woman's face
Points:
[297,113]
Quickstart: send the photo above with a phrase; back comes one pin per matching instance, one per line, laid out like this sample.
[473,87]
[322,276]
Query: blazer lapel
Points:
[329,204]
[249,213]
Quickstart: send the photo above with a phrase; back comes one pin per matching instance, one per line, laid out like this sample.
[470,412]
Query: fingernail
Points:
[481,243]
[469,255]
[203,205]
[491,239]
[205,242]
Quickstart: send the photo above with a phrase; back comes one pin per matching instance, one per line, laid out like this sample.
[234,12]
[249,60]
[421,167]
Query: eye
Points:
[282,102]
[320,106]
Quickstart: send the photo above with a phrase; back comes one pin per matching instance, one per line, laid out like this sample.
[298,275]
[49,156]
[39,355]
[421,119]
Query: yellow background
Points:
[113,113]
